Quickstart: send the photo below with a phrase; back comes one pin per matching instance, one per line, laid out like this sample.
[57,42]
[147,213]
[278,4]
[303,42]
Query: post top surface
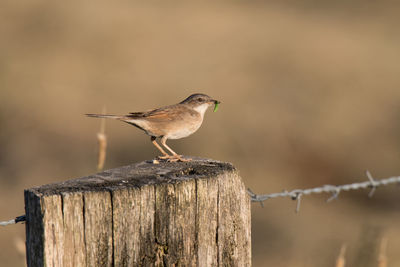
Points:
[138,175]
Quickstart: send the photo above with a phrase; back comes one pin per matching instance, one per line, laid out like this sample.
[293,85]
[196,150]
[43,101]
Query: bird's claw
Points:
[164,157]
[174,158]
[178,158]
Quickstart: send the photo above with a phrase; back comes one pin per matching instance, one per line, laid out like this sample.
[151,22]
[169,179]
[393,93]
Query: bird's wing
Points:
[161,114]
[135,114]
[142,113]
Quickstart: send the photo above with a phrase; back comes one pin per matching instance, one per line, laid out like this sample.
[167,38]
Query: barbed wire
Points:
[296,194]
[335,190]
[18,219]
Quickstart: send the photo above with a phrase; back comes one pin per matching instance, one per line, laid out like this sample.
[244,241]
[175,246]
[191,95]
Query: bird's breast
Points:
[184,128]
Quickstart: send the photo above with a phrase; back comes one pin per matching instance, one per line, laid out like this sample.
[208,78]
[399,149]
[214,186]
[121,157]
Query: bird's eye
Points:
[200,99]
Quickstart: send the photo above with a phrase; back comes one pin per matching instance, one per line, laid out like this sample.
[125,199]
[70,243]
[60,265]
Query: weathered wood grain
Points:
[170,214]
[74,232]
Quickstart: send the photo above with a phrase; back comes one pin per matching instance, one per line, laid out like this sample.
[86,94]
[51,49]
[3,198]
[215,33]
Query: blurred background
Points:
[310,96]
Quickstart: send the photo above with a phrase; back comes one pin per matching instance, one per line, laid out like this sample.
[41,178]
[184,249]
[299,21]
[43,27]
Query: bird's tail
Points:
[115,117]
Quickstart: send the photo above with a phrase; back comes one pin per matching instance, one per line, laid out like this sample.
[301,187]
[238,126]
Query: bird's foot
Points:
[165,157]
[177,158]
[174,158]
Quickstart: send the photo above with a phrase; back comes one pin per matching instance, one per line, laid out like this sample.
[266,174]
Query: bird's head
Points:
[200,102]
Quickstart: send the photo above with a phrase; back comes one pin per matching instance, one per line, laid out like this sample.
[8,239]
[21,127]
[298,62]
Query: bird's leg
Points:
[175,156]
[165,154]
[164,143]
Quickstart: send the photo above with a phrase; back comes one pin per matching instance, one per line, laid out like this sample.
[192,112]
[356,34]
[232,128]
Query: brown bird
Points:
[170,122]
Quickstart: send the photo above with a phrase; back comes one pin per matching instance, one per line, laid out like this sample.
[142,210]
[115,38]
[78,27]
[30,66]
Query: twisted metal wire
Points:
[18,219]
[296,194]
[332,189]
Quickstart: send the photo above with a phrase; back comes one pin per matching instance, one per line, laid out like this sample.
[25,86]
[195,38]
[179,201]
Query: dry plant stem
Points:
[341,260]
[19,245]
[382,260]
[102,141]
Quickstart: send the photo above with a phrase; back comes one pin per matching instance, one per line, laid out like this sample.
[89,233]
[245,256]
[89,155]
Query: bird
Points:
[169,122]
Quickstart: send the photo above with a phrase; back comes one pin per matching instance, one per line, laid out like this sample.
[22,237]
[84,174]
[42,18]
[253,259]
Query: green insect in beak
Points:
[216,104]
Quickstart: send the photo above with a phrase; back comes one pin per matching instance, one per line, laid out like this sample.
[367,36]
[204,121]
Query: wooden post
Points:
[169,214]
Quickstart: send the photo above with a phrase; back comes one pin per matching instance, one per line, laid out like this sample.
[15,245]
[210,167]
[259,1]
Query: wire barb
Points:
[335,195]
[298,198]
[373,184]
[332,189]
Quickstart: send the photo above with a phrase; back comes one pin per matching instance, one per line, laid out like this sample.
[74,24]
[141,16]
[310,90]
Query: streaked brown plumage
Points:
[170,122]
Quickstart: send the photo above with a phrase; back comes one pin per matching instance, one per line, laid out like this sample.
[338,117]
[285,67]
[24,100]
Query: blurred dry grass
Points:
[310,95]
